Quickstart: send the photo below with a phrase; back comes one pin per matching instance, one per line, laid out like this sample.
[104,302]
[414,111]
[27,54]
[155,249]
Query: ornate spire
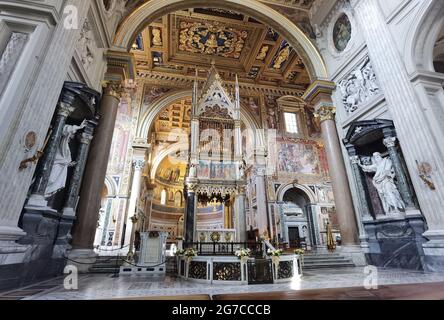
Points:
[195,92]
[237,97]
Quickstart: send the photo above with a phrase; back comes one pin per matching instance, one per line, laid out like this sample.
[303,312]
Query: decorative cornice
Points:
[319,87]
[182,81]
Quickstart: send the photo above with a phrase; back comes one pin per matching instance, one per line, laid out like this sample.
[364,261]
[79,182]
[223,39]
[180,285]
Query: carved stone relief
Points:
[359,86]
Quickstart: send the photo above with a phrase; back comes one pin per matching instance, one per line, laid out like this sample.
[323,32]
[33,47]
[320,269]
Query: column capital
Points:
[355,160]
[112,89]
[191,187]
[390,142]
[138,164]
[326,112]
[241,190]
[64,109]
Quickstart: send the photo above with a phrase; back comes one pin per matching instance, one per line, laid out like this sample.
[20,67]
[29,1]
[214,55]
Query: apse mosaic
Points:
[211,39]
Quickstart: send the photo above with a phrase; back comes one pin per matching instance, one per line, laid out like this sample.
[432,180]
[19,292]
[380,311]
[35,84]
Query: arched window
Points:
[163,197]
[178,199]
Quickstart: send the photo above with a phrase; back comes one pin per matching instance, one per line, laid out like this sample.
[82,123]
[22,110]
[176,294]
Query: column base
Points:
[396,242]
[10,251]
[82,259]
[434,250]
[37,201]
[355,253]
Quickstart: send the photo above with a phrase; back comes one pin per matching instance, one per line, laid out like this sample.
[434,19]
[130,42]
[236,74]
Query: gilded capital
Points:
[325,113]
[112,89]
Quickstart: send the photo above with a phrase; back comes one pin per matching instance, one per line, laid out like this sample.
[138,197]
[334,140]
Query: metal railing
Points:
[224,248]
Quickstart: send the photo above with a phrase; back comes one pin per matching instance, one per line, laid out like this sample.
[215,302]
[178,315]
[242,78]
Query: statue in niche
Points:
[385,184]
[272,123]
[157,37]
[59,174]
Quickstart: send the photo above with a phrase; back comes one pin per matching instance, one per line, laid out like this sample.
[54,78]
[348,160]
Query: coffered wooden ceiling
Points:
[185,40]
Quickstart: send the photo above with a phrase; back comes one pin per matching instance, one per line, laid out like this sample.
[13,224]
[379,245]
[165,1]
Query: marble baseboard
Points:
[22,274]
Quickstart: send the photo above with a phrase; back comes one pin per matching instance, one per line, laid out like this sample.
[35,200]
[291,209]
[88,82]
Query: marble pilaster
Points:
[409,116]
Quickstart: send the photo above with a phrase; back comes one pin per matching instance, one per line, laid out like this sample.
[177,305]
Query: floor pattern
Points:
[112,287]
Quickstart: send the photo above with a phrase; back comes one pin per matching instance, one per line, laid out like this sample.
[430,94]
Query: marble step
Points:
[326,261]
[328,266]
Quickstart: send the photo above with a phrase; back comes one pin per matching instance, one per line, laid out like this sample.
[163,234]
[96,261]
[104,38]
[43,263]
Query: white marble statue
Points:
[385,184]
[63,160]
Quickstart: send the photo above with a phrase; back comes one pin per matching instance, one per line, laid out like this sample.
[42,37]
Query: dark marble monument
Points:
[392,221]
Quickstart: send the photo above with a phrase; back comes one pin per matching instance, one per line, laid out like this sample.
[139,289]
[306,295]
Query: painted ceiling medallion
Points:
[211,39]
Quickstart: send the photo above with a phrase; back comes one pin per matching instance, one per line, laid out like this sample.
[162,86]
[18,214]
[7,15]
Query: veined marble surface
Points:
[107,287]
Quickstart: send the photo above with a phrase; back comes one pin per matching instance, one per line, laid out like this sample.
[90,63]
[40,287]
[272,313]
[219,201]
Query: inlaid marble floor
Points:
[108,287]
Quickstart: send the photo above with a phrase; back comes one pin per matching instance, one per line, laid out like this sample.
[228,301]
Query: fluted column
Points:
[64,109]
[95,172]
[418,138]
[319,95]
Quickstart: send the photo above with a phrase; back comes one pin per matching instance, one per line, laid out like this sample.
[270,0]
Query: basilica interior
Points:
[286,144]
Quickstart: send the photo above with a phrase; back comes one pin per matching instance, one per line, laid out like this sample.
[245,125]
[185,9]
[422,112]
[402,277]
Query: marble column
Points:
[68,216]
[364,204]
[312,224]
[240,214]
[402,180]
[64,109]
[319,95]
[261,196]
[149,196]
[94,177]
[138,165]
[190,215]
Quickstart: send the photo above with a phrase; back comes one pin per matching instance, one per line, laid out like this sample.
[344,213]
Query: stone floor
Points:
[109,286]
